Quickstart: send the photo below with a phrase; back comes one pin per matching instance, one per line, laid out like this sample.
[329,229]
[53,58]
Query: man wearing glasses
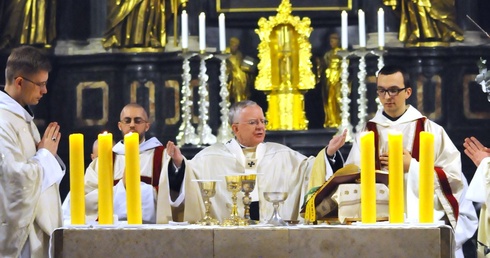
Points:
[393,88]
[134,119]
[277,167]
[30,169]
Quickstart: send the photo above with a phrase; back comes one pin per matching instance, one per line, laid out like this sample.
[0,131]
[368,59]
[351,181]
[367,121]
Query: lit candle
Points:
[345,44]
[202,32]
[381,28]
[368,178]
[77,169]
[106,178]
[222,33]
[362,29]
[185,30]
[395,177]
[132,174]
[426,178]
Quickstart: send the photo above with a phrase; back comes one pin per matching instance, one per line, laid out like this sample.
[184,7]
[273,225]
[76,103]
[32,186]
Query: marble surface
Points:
[382,240]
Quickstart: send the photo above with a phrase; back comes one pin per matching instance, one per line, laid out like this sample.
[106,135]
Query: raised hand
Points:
[475,150]
[336,143]
[51,138]
[174,152]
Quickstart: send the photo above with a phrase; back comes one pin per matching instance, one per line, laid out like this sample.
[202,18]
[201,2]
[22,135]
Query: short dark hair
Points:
[25,61]
[391,69]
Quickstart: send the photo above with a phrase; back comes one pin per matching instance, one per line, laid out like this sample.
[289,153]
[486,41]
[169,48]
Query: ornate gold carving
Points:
[285,67]
[468,113]
[102,85]
[174,85]
[436,81]
[151,96]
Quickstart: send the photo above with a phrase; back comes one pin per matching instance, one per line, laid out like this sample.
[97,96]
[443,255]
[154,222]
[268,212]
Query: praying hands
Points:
[475,150]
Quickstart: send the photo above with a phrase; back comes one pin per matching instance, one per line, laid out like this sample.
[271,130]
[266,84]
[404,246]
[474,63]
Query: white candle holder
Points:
[204,131]
[224,131]
[379,53]
[345,101]
[362,101]
[187,132]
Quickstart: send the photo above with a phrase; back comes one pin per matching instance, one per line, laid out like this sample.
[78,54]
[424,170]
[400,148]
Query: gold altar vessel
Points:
[285,69]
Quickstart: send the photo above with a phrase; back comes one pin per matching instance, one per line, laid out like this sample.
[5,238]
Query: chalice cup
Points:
[276,198]
[248,185]
[208,190]
[233,185]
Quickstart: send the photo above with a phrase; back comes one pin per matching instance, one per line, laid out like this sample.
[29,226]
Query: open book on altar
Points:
[324,202]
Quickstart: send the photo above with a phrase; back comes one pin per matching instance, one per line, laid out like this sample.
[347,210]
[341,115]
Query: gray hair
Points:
[236,108]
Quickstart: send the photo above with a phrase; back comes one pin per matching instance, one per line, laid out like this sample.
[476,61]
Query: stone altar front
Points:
[254,241]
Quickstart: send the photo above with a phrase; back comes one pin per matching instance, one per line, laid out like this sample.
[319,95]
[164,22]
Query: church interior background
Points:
[95,74]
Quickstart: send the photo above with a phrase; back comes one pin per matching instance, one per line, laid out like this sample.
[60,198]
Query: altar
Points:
[254,241]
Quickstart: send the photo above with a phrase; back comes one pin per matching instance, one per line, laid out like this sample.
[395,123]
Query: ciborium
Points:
[248,185]
[233,185]
[208,190]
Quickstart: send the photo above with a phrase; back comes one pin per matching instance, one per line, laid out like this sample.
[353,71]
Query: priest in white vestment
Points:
[479,191]
[278,168]
[152,156]
[393,90]
[30,169]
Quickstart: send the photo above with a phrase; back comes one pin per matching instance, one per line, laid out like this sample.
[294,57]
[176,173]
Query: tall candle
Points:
[202,32]
[368,178]
[185,30]
[132,174]
[344,43]
[395,177]
[362,29]
[222,33]
[77,169]
[426,178]
[106,179]
[381,28]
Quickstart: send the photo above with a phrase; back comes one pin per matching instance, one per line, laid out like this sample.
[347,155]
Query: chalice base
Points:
[235,222]
[208,221]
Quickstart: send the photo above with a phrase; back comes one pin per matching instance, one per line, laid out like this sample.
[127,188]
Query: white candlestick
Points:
[185,30]
[222,32]
[202,32]
[362,29]
[381,28]
[344,30]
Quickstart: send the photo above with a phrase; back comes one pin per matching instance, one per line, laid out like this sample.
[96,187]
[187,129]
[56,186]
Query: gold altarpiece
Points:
[285,69]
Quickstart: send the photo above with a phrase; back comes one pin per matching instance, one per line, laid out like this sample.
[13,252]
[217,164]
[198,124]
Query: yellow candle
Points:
[132,174]
[77,191]
[368,179]
[395,177]
[106,179]
[426,178]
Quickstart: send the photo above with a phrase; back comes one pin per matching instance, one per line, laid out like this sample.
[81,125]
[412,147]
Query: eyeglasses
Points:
[40,84]
[392,92]
[137,120]
[255,122]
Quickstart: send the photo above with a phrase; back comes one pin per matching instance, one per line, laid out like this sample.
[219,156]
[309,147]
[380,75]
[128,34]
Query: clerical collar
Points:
[245,147]
[393,118]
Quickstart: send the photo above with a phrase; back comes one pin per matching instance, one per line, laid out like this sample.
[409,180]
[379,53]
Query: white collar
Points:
[146,145]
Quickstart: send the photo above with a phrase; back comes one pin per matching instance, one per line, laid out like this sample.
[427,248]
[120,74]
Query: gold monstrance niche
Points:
[285,68]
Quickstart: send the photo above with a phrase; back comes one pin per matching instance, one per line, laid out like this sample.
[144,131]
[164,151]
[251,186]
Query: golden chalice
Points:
[248,185]
[233,185]
[208,190]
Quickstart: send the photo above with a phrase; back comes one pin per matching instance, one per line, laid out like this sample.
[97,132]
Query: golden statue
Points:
[135,24]
[331,93]
[427,22]
[285,69]
[25,22]
[237,76]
